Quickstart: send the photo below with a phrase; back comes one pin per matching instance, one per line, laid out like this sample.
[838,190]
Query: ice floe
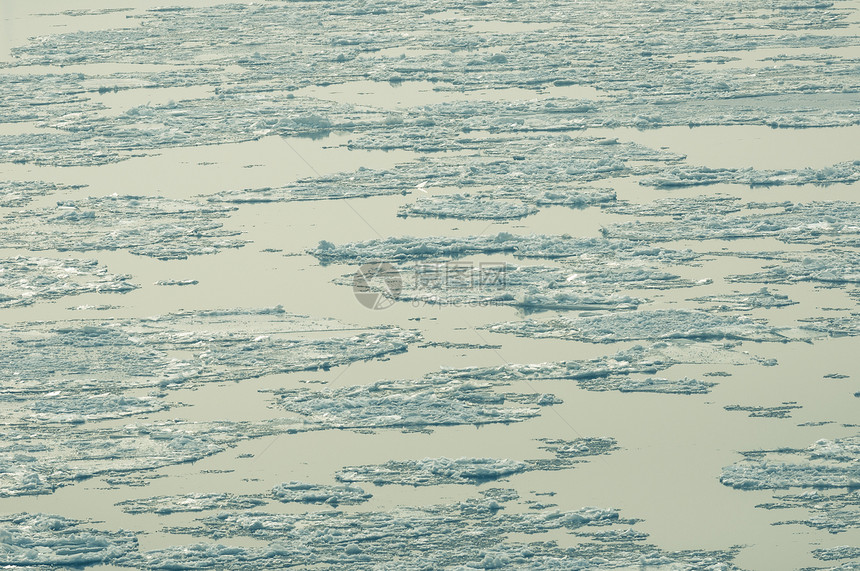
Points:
[826,474]
[301,492]
[18,193]
[406,248]
[197,502]
[41,541]
[147,226]
[110,355]
[815,222]
[438,471]
[644,325]
[25,279]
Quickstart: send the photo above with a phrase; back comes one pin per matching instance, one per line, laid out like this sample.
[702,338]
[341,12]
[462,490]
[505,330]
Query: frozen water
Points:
[829,267]
[779,411]
[761,299]
[404,248]
[122,354]
[827,471]
[84,372]
[417,404]
[846,172]
[156,227]
[643,325]
[18,193]
[678,207]
[304,493]
[460,206]
[197,502]
[507,90]
[77,409]
[815,222]
[848,325]
[477,471]
[433,471]
[25,280]
[41,541]
[623,371]
[408,537]
[836,553]
[532,288]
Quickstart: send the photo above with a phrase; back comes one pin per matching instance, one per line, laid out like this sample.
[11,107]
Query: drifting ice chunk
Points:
[466,207]
[156,227]
[431,401]
[433,471]
[16,193]
[163,505]
[39,540]
[319,494]
[635,325]
[815,222]
[847,173]
[24,280]
[828,465]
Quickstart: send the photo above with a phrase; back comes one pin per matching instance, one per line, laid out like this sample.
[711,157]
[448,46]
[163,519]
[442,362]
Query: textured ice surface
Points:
[846,172]
[531,172]
[404,248]
[256,65]
[438,471]
[197,502]
[181,348]
[433,471]
[829,267]
[643,325]
[836,553]
[57,407]
[779,411]
[825,464]
[81,373]
[541,175]
[25,280]
[30,541]
[532,288]
[407,537]
[847,325]
[595,280]
[460,206]
[434,400]
[628,370]
[540,168]
[176,282]
[678,207]
[147,226]
[815,222]
[301,492]
[827,472]
[761,299]
[17,193]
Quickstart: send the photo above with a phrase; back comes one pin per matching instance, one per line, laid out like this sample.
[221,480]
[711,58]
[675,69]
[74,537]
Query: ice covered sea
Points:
[617,329]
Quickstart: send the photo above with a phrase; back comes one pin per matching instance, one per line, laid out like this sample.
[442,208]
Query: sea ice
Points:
[304,493]
[147,226]
[815,222]
[196,502]
[25,280]
[827,472]
[644,325]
